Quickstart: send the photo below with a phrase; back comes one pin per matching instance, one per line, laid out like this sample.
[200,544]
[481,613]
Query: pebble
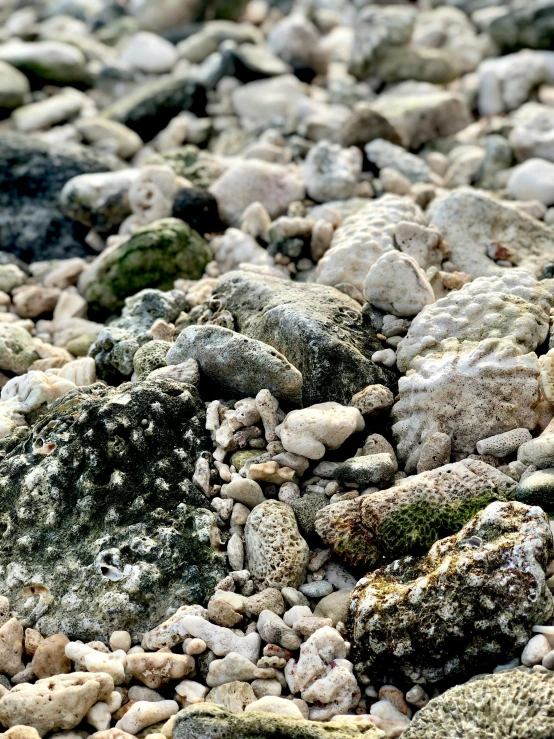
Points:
[535,650]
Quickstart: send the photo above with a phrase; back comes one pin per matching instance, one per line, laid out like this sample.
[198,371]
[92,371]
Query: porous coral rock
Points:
[277,554]
[28,392]
[310,431]
[362,238]
[512,305]
[150,357]
[469,392]
[468,603]
[17,351]
[512,704]
[108,517]
[411,515]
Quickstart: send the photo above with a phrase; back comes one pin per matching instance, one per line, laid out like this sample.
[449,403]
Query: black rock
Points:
[306,509]
[537,489]
[32,175]
[198,208]
[320,330]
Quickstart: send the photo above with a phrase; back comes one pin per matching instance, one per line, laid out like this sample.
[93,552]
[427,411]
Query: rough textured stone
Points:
[411,515]
[212,722]
[154,256]
[107,517]
[512,704]
[32,226]
[321,331]
[537,489]
[465,606]
[17,351]
[237,365]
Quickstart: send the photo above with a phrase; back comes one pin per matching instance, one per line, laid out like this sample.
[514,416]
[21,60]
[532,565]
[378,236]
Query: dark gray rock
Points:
[198,208]
[525,28]
[236,365]
[32,175]
[371,469]
[117,344]
[150,107]
[321,331]
[102,528]
[364,125]
[537,489]
[306,508]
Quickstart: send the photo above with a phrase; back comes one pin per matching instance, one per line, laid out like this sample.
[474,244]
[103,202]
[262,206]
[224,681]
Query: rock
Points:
[502,445]
[535,650]
[376,29]
[32,226]
[521,692]
[236,247]
[532,135]
[49,658]
[294,39]
[506,82]
[17,351]
[197,47]
[150,357]
[470,220]
[539,452]
[145,713]
[273,630]
[252,180]
[385,154]
[397,284]
[373,469]
[537,489]
[31,301]
[154,256]
[277,554]
[411,515]
[364,125]
[533,180]
[275,704]
[46,61]
[236,365]
[100,200]
[244,491]
[11,276]
[56,703]
[208,721]
[310,431]
[149,53]
[157,669]
[529,27]
[438,66]
[101,131]
[435,452]
[511,304]
[403,598]
[318,329]
[373,400]
[14,86]
[168,14]
[334,606]
[306,509]
[198,208]
[506,395]
[263,101]
[150,107]
[362,238]
[116,344]
[422,117]
[224,642]
[11,647]
[234,696]
[332,173]
[48,112]
[120,446]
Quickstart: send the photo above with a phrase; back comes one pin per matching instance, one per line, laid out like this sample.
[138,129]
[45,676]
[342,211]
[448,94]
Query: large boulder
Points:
[320,330]
[32,175]
[467,605]
[105,530]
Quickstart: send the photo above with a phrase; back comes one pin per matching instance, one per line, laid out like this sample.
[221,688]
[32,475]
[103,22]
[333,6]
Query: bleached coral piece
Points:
[28,392]
[80,371]
[469,392]
[503,444]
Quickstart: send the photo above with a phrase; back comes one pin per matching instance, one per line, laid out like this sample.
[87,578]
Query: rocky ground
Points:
[276,369]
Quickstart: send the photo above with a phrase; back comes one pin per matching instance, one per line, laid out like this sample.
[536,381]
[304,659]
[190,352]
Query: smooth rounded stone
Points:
[120,584]
[435,452]
[373,469]
[506,82]
[535,650]
[49,658]
[310,431]
[32,224]
[149,108]
[14,87]
[11,647]
[524,27]
[506,543]
[469,220]
[198,208]
[274,704]
[532,134]
[244,491]
[48,112]
[255,61]
[533,180]
[49,61]
[252,180]
[273,630]
[149,53]
[316,589]
[331,172]
[158,668]
[11,276]
[237,365]
[56,703]
[235,248]
[383,154]
[362,238]
[120,640]
[234,696]
[504,444]
[454,392]
[294,39]
[100,200]
[154,256]
[276,553]
[321,331]
[458,713]
[306,509]
[537,489]
[206,41]
[398,285]
[165,15]
[364,125]
[126,143]
[206,721]
[22,732]
[538,452]
[424,116]
[145,713]
[411,515]
[334,606]
[264,101]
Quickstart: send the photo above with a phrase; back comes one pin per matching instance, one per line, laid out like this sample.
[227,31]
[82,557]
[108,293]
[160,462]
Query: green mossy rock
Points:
[154,256]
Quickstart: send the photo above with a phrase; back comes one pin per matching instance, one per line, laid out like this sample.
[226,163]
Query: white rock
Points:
[532,134]
[535,650]
[533,180]
[274,630]
[505,82]
[398,285]
[150,53]
[373,400]
[504,444]
[386,711]
[243,490]
[331,172]
[47,113]
[234,667]
[220,639]
[191,691]
[145,713]
[28,392]
[385,356]
[539,451]
[170,632]
[295,614]
[120,640]
[235,247]
[274,704]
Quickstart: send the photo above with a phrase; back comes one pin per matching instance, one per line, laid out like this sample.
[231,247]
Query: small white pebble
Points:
[385,356]
[536,648]
[120,640]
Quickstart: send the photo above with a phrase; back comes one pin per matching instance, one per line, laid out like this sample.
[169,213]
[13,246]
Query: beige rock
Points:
[49,658]
[234,667]
[21,732]
[156,669]
[170,632]
[111,734]
[397,284]
[145,713]
[373,399]
[32,639]
[270,472]
[234,696]
[275,704]
[11,647]
[56,703]
[120,640]
[65,274]
[189,692]
[31,301]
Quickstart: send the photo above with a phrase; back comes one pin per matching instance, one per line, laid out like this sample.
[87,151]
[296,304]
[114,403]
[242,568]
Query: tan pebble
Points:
[123,710]
[49,658]
[11,647]
[111,734]
[31,301]
[32,640]
[21,732]
[157,668]
[235,696]
[222,613]
[271,472]
[396,697]
[120,640]
[146,713]
[196,646]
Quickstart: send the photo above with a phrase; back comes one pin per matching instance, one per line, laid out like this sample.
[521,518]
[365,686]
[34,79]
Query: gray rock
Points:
[237,365]
[46,61]
[334,606]
[116,345]
[383,153]
[423,64]
[321,331]
[364,125]
[376,30]
[17,351]
[374,469]
[13,87]
[537,489]
[525,28]
[110,534]
[306,509]
[32,175]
